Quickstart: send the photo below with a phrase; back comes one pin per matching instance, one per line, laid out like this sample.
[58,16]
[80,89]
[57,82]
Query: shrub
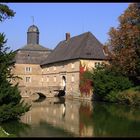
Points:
[113,87]
[111,97]
[131,97]
[107,83]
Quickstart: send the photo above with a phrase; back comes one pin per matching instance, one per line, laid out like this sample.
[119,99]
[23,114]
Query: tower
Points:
[33,35]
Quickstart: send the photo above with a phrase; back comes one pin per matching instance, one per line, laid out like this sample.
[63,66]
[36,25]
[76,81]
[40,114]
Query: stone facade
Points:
[46,71]
[31,74]
[50,77]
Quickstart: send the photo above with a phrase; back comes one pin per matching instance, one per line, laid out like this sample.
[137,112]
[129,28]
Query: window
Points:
[72,65]
[54,68]
[72,78]
[47,69]
[47,78]
[42,79]
[54,78]
[97,64]
[28,79]
[28,69]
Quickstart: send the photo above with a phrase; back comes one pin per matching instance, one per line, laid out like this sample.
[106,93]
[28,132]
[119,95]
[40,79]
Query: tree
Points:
[125,42]
[5,12]
[11,104]
[108,82]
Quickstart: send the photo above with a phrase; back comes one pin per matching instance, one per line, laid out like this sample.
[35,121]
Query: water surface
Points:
[54,117]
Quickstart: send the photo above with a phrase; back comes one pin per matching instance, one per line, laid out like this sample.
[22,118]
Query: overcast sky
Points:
[55,19]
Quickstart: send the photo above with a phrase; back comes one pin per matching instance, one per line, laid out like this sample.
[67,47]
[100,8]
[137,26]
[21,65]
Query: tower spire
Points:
[32,19]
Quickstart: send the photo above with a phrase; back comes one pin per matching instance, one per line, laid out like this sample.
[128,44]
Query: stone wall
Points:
[35,74]
[52,75]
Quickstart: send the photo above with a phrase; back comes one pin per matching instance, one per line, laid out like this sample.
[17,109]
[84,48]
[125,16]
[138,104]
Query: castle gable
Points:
[84,46]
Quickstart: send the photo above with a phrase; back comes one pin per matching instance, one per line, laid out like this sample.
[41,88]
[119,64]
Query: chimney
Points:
[67,36]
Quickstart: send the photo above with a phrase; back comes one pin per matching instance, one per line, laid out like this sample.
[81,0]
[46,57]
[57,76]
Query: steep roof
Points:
[84,46]
[31,54]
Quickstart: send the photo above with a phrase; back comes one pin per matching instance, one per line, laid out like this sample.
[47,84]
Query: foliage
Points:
[11,106]
[111,82]
[115,120]
[108,82]
[85,83]
[130,96]
[16,127]
[5,12]
[112,97]
[125,42]
[3,133]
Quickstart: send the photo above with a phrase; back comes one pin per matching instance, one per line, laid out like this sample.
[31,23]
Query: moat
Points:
[54,117]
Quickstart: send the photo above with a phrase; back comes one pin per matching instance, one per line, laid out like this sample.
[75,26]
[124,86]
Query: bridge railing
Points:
[48,91]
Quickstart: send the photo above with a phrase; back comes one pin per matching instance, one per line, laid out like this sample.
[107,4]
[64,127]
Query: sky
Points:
[56,19]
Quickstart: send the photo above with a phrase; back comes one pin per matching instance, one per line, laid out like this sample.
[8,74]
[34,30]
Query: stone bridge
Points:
[50,91]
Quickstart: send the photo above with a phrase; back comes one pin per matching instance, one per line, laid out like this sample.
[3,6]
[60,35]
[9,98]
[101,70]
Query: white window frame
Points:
[28,69]
[72,65]
[54,68]
[42,79]
[28,79]
[54,78]
[72,78]
[47,78]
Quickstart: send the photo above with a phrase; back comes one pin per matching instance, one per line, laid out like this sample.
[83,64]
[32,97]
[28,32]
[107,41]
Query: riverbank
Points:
[130,96]
[3,133]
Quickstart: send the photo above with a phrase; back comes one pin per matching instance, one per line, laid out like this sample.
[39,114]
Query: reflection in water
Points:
[15,127]
[68,118]
[116,120]
[40,98]
[61,100]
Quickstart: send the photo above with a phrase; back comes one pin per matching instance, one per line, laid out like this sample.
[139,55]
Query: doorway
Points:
[64,83]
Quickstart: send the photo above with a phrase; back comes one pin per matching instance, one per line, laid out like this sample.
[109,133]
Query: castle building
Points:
[44,68]
[69,60]
[28,60]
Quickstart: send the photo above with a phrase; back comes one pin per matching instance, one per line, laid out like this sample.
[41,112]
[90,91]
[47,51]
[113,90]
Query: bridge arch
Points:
[38,96]
[41,95]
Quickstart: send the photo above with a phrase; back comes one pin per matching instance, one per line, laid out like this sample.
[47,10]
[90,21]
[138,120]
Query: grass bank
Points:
[3,133]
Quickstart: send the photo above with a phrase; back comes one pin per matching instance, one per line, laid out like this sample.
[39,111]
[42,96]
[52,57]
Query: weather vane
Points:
[33,19]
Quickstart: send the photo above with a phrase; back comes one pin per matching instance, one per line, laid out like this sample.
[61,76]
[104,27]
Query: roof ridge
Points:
[76,48]
[77,36]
